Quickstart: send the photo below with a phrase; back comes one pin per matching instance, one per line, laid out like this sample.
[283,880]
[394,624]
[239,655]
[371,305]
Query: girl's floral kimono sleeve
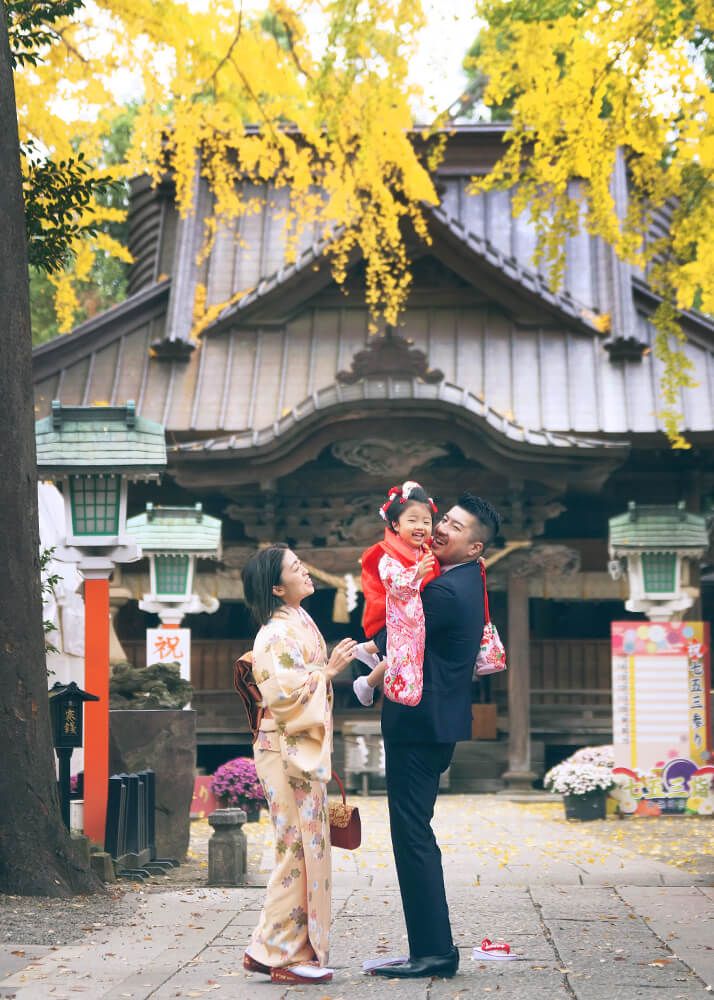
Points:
[297,692]
[399,581]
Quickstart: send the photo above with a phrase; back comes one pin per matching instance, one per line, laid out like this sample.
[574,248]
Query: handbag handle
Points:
[341,787]
[487,616]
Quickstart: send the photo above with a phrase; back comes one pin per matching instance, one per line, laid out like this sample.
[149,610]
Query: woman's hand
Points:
[341,655]
[425,565]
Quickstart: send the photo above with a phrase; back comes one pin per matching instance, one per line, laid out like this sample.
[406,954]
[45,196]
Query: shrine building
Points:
[286,420]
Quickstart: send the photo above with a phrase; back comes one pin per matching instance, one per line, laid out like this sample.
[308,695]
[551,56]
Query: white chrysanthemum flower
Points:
[574,778]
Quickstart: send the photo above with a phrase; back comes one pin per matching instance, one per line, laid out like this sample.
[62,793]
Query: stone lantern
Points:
[655,545]
[93,452]
[174,538]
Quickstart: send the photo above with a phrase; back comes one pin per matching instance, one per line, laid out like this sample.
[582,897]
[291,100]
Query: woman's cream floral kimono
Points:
[293,760]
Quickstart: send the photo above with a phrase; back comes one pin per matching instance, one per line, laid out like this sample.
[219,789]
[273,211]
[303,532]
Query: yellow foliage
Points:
[585,82]
[225,94]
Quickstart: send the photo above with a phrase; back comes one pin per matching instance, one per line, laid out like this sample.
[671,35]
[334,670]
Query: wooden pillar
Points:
[519,776]
[96,713]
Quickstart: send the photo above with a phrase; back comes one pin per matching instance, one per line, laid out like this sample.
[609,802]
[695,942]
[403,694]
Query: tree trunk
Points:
[36,852]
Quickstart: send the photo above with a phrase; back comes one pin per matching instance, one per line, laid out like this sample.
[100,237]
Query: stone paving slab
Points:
[606,946]
[593,921]
[682,919]
[14,958]
[130,961]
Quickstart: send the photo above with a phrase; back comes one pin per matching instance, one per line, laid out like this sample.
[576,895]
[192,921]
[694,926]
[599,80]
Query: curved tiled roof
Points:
[505,268]
[173,529]
[668,528]
[394,389]
[100,439]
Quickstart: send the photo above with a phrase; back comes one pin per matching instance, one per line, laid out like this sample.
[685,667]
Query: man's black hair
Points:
[260,574]
[488,520]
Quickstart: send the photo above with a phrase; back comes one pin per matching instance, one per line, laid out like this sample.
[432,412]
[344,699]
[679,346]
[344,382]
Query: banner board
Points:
[661,718]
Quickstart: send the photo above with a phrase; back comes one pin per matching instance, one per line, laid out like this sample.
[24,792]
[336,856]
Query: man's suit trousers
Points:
[413,771]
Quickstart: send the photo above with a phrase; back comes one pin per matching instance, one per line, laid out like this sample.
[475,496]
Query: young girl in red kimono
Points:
[394,572]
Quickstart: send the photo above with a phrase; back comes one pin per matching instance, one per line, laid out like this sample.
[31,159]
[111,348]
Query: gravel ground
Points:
[27,920]
[38,920]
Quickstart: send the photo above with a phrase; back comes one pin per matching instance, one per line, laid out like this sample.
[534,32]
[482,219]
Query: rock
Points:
[165,741]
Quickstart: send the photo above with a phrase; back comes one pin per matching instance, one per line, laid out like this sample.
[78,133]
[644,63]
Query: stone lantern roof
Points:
[102,439]
[176,529]
[658,528]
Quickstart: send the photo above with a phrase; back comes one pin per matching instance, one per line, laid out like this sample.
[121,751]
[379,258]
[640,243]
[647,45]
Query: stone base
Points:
[103,866]
[165,741]
[227,848]
[519,781]
[80,849]
[531,795]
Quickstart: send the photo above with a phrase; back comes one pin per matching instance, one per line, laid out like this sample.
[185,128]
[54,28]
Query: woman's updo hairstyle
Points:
[399,498]
[260,574]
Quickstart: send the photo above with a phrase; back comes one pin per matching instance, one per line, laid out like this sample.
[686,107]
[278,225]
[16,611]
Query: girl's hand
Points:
[341,655]
[425,565]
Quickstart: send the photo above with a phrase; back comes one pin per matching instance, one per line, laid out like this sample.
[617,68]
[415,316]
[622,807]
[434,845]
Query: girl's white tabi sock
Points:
[364,656]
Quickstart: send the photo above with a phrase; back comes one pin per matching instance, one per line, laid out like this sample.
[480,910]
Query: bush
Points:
[157,686]
[236,782]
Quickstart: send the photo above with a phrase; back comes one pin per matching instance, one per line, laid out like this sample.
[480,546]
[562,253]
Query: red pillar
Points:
[96,714]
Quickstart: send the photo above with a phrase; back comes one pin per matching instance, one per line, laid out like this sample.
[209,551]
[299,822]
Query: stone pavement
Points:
[589,918]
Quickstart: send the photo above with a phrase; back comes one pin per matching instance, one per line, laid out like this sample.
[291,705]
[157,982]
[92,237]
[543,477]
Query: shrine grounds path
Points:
[613,909]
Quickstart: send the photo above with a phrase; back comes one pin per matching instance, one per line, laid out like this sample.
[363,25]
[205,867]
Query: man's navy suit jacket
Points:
[454,613]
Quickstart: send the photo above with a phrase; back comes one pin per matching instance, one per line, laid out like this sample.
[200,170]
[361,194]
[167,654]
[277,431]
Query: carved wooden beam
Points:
[390,355]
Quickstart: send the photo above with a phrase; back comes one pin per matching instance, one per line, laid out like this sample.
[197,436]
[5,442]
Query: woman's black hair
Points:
[260,574]
[397,507]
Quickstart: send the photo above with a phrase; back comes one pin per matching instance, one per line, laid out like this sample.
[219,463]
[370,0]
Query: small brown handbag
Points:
[345,823]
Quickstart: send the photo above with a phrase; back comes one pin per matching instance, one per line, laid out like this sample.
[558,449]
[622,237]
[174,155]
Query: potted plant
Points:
[236,783]
[583,779]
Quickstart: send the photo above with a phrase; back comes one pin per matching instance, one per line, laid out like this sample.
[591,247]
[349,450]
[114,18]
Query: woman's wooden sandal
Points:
[301,973]
[251,964]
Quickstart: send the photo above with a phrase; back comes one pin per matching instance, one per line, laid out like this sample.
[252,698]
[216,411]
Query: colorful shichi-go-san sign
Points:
[661,718]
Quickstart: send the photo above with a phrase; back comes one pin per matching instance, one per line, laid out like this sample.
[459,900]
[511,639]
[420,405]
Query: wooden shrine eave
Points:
[96,333]
[345,411]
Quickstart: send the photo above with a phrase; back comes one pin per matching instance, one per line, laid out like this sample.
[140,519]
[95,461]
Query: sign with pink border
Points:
[661,717]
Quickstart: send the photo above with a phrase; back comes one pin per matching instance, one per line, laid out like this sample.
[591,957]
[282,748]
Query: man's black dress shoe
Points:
[428,965]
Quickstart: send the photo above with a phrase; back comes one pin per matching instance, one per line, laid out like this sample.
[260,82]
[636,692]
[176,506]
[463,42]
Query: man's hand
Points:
[425,565]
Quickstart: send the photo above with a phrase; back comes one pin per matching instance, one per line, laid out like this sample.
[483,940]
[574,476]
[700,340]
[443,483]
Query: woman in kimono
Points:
[293,761]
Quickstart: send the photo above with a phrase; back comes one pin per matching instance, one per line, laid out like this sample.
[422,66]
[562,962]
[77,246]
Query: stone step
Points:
[463,786]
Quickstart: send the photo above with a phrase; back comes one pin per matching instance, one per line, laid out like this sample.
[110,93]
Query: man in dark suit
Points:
[419,741]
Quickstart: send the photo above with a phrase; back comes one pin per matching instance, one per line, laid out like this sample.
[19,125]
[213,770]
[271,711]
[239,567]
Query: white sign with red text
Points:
[170,645]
